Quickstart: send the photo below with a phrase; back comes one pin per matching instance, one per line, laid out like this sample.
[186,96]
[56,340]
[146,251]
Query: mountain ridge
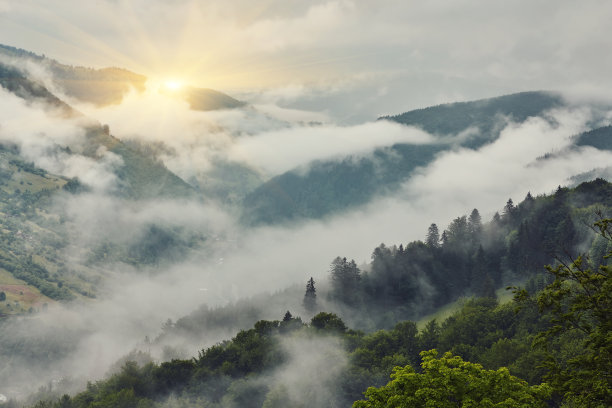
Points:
[107,86]
[335,185]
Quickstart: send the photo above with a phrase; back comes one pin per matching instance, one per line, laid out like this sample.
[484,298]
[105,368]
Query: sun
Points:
[173,85]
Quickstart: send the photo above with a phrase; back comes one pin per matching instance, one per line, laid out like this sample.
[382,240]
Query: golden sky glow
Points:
[434,51]
[173,84]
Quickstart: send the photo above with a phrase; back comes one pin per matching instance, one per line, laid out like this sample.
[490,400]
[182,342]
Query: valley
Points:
[345,225]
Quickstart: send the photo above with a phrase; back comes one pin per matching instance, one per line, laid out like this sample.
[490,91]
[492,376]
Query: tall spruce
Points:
[475,227]
[509,212]
[433,236]
[345,277]
[310,297]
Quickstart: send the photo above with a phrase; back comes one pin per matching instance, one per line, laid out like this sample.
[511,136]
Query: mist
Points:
[314,76]
[231,262]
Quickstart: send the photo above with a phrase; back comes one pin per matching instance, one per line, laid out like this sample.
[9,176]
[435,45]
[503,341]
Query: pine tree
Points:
[444,239]
[478,272]
[526,205]
[433,237]
[458,235]
[496,220]
[509,211]
[345,277]
[475,227]
[310,297]
[287,317]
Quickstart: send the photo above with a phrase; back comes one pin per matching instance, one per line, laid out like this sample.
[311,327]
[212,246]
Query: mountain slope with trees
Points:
[34,228]
[486,115]
[548,346]
[328,187]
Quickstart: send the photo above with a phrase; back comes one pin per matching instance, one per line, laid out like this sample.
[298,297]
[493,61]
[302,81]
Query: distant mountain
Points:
[331,186]
[107,86]
[101,87]
[484,115]
[98,86]
[16,82]
[141,176]
[208,99]
[600,138]
[34,234]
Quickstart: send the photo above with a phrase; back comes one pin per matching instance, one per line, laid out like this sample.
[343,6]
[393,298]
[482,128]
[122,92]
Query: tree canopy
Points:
[448,382]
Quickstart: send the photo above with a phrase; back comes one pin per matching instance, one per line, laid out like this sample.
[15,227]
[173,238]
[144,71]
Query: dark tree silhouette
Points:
[310,297]
[433,237]
[345,276]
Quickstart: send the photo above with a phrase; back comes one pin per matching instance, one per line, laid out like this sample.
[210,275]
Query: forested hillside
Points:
[329,187]
[551,336]
[325,188]
[37,263]
[484,115]
[470,257]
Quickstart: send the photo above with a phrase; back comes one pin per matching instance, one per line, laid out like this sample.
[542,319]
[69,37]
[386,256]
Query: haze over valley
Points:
[165,188]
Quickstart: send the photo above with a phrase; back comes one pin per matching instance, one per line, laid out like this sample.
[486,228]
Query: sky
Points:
[353,59]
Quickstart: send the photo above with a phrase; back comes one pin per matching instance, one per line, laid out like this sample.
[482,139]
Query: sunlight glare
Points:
[173,85]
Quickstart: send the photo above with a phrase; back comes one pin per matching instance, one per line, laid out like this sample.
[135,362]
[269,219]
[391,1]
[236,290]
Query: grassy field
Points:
[20,298]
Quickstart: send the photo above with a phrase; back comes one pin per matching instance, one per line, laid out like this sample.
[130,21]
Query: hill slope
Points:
[34,232]
[327,187]
[108,86]
[484,114]
[273,363]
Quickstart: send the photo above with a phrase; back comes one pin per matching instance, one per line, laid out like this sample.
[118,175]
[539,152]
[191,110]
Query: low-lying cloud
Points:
[232,262]
[279,151]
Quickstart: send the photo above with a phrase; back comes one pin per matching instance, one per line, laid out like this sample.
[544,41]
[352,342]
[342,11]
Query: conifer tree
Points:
[496,220]
[509,211]
[433,237]
[310,297]
[475,227]
[444,239]
[345,277]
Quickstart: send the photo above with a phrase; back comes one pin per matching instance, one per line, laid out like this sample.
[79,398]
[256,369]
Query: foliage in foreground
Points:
[451,382]
[580,302]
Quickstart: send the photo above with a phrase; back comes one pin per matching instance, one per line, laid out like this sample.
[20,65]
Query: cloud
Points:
[453,184]
[234,263]
[267,138]
[436,50]
[302,31]
[279,151]
[42,138]
[313,370]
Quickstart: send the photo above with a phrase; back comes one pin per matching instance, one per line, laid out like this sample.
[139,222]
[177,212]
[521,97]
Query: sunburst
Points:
[173,85]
